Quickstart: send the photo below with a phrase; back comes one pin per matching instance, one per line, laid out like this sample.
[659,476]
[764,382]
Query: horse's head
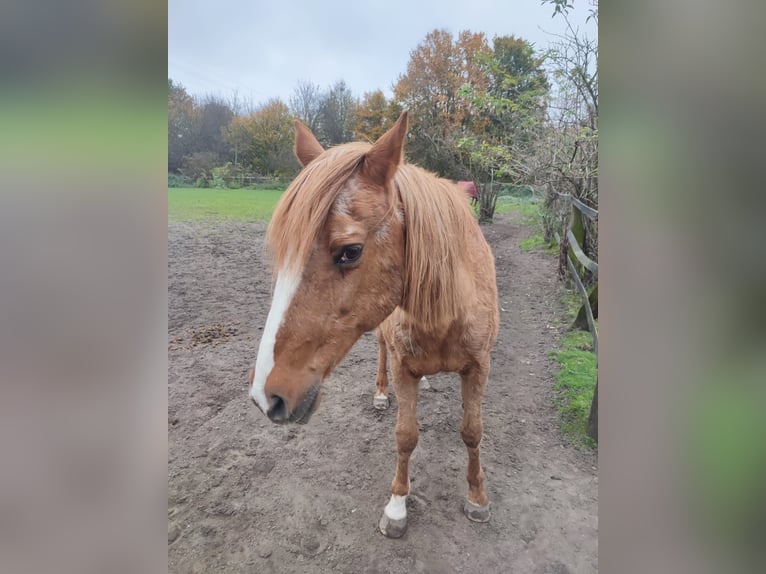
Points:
[338,245]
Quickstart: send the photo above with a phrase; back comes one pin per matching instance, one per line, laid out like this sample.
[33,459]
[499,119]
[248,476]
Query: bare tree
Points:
[337,113]
[305,103]
[215,114]
[568,160]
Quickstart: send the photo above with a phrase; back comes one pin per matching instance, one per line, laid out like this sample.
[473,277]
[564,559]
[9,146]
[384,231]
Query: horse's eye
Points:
[349,254]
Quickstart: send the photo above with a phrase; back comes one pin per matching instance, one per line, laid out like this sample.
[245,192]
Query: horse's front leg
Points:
[380,400]
[394,520]
[473,382]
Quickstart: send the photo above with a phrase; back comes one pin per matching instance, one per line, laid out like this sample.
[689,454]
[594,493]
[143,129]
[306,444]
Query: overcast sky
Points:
[261,48]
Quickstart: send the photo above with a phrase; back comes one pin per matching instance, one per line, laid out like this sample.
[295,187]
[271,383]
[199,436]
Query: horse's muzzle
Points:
[279,412]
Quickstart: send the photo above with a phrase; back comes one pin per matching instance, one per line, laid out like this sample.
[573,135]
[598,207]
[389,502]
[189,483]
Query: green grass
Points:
[536,242]
[191,204]
[572,302]
[575,383]
[527,207]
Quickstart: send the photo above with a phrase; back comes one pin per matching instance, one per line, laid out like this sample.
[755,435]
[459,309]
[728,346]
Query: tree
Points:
[571,165]
[513,102]
[437,69]
[264,139]
[305,104]
[196,127]
[182,125]
[336,115]
[374,116]
[516,98]
[214,115]
[488,163]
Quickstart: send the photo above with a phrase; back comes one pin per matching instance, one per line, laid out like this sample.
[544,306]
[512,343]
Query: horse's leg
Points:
[380,400]
[473,381]
[394,520]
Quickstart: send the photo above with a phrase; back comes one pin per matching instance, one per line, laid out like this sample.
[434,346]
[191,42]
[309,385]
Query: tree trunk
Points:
[487,200]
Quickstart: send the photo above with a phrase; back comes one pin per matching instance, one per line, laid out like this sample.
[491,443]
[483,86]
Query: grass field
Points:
[190,203]
[186,203]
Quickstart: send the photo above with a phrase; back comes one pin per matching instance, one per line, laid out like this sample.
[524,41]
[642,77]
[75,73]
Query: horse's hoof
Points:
[392,528]
[380,402]
[475,512]
[424,385]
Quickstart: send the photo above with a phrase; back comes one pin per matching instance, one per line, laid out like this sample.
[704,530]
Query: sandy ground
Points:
[245,495]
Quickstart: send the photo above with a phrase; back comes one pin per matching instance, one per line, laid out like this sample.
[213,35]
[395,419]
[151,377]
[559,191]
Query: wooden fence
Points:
[576,262]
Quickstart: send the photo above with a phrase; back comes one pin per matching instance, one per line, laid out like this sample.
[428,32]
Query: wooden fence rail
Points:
[575,255]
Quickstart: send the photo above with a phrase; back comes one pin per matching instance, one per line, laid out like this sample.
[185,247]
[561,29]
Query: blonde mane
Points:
[437,281]
[437,219]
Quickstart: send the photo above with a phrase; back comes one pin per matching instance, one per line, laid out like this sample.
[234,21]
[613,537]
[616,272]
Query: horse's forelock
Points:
[302,212]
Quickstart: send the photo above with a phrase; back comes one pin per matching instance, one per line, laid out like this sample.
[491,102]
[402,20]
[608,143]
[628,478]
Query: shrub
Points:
[225,176]
[199,164]
[177,180]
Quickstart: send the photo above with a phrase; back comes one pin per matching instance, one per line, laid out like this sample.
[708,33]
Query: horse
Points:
[469,188]
[362,240]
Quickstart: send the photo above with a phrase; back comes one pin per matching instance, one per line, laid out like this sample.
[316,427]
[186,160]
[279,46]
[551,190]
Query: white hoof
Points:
[394,520]
[380,402]
[424,385]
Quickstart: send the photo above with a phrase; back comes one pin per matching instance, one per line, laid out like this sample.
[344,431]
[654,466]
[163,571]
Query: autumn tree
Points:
[264,139]
[375,114]
[437,69]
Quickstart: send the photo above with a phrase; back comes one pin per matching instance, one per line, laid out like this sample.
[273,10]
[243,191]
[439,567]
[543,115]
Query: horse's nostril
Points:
[278,410]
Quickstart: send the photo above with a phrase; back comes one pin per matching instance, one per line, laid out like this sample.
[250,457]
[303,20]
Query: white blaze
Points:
[285,288]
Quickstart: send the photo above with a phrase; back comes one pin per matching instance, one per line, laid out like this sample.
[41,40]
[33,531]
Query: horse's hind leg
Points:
[394,520]
[380,400]
[473,382]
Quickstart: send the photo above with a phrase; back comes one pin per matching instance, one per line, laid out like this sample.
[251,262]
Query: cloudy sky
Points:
[261,48]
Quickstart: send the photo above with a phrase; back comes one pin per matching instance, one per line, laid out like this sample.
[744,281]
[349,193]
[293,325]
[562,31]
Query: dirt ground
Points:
[245,495]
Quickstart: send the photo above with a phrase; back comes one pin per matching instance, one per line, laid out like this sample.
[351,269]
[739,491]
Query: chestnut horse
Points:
[362,240]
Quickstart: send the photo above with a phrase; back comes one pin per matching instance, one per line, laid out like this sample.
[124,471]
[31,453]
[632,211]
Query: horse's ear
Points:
[307,148]
[383,159]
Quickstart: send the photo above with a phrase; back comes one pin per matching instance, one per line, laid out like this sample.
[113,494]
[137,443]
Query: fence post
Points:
[578,230]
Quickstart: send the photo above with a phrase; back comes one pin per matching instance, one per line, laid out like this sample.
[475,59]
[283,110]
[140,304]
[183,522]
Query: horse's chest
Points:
[426,357]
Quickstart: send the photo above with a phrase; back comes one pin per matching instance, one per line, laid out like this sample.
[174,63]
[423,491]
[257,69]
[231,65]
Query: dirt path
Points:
[247,496]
